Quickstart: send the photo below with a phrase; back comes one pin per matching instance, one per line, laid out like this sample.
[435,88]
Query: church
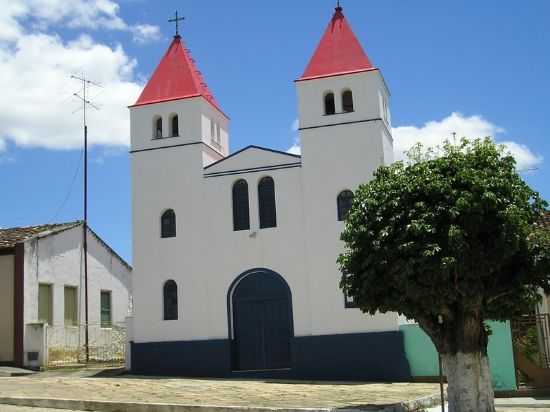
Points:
[235,269]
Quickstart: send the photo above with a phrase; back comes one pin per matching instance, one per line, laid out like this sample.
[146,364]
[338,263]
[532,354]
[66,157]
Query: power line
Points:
[71,187]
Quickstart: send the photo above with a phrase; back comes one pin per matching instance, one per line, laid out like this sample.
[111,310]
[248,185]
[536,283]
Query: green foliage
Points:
[453,234]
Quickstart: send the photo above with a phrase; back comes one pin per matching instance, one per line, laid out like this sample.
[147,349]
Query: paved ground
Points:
[7,408]
[534,408]
[214,392]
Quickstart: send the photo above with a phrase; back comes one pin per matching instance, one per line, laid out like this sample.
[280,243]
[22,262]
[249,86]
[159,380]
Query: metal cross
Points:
[177,21]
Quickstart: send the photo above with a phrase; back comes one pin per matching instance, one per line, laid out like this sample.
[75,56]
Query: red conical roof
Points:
[339,52]
[176,77]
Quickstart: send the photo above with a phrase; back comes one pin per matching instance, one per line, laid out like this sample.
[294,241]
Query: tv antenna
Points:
[86,83]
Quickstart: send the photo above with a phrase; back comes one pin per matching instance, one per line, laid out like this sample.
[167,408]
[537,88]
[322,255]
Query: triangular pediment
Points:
[252,158]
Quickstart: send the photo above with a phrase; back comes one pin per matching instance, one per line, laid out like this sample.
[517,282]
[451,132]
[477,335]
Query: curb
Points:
[109,406]
[524,405]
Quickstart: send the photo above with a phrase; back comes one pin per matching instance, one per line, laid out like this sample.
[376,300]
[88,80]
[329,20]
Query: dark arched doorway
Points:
[261,321]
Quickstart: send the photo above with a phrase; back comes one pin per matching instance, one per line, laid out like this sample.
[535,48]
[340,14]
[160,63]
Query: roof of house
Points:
[176,77]
[11,236]
[339,52]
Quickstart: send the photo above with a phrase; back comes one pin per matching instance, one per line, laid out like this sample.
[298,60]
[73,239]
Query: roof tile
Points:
[12,236]
[176,77]
[339,52]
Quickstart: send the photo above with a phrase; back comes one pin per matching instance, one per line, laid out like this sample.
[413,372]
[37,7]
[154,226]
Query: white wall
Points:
[194,125]
[341,154]
[57,259]
[207,255]
[6,308]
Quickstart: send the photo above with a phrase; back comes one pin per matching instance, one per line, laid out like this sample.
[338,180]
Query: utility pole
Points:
[85,103]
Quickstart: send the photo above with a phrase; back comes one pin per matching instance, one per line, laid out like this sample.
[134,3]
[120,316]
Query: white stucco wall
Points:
[6,308]
[207,255]
[57,260]
[341,155]
[194,116]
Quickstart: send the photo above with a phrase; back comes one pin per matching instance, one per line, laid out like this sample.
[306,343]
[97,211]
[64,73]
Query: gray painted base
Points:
[364,356]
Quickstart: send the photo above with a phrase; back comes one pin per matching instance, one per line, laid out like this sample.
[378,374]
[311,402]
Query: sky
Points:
[475,68]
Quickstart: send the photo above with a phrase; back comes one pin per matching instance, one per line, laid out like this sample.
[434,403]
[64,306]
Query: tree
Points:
[450,240]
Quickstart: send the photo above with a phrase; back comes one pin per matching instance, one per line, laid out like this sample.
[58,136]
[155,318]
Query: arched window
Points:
[347,101]
[345,201]
[330,106]
[175,126]
[241,213]
[157,128]
[170,299]
[168,224]
[266,203]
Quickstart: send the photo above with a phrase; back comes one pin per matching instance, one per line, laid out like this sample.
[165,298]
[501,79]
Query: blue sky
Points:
[472,67]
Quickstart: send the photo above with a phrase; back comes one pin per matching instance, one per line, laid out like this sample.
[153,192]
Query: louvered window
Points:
[175,126]
[106,309]
[266,203]
[158,128]
[345,201]
[241,213]
[330,106]
[168,224]
[170,293]
[45,304]
[71,306]
[347,101]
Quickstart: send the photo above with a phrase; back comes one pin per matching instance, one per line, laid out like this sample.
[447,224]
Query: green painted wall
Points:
[422,355]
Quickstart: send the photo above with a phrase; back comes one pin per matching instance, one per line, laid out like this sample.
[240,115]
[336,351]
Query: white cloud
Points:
[435,132]
[525,158]
[75,14]
[35,68]
[37,104]
[145,33]
[295,148]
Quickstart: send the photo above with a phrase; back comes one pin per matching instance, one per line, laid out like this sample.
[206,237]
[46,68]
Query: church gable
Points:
[253,158]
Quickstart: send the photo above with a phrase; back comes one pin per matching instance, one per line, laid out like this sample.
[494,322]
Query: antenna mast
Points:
[85,103]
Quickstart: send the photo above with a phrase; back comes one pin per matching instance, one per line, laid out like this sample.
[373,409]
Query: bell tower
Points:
[343,104]
[344,119]
[177,128]
[176,107]
[345,135]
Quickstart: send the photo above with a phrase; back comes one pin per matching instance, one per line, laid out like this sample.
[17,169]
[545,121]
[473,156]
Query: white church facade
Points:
[235,254]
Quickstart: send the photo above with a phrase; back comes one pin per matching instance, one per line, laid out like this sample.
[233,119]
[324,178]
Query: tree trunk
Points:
[470,388]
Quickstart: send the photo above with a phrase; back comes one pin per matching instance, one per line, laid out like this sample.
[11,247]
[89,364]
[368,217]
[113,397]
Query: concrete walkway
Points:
[538,403]
[8,371]
[9,408]
[512,405]
[221,393]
